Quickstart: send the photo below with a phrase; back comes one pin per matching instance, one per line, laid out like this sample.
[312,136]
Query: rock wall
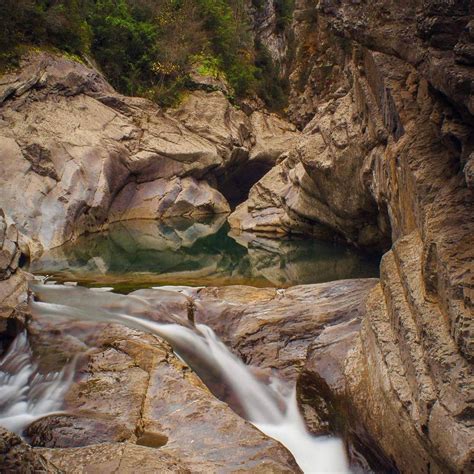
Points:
[13,281]
[384,93]
[73,149]
[270,30]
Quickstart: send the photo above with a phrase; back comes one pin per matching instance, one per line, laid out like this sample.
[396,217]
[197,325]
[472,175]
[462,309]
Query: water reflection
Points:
[138,254]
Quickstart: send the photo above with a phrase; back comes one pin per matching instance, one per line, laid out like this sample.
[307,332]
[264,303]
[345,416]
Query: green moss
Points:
[207,65]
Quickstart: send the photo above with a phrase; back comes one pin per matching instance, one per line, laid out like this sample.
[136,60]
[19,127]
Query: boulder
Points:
[164,198]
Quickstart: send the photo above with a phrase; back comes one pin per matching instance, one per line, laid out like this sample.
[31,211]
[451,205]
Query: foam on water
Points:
[26,395]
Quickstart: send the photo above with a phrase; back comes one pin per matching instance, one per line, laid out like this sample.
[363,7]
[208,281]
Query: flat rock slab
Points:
[272,328]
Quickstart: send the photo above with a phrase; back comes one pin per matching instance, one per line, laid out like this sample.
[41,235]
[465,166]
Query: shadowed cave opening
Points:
[235,184]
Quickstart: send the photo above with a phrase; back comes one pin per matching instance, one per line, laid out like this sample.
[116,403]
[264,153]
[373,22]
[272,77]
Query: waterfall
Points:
[271,407]
[26,395]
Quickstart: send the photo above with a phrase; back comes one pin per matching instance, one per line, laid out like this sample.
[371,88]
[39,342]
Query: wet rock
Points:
[302,335]
[13,293]
[109,457]
[272,328]
[134,390]
[17,456]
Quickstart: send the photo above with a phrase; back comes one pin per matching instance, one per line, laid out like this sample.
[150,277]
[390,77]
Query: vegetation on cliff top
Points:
[147,47]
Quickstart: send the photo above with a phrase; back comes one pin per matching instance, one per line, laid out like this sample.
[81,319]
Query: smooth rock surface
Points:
[73,145]
[134,391]
[164,198]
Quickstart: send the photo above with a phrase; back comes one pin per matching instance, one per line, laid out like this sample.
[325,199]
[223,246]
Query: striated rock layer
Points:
[383,92]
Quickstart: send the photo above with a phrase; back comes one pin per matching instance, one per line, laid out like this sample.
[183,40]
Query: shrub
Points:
[148,47]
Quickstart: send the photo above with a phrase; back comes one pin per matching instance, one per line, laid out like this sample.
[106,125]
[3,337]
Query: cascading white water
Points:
[26,395]
[269,407]
[280,421]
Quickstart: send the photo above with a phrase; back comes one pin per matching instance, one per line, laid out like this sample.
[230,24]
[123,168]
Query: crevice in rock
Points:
[335,416]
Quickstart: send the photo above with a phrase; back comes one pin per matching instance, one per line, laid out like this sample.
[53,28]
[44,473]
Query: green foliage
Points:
[230,41]
[284,13]
[123,45]
[207,65]
[148,47]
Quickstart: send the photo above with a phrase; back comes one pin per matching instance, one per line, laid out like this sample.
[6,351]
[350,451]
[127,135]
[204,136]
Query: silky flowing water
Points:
[26,395]
[142,254]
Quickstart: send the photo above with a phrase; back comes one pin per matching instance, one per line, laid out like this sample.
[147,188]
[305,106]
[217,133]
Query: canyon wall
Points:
[383,92]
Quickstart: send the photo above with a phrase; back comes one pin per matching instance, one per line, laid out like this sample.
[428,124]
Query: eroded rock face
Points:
[17,456]
[256,140]
[434,36]
[74,147]
[270,29]
[384,93]
[109,457]
[13,281]
[272,328]
[301,335]
[164,198]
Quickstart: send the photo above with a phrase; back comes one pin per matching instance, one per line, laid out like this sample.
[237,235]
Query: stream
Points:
[143,254]
[271,407]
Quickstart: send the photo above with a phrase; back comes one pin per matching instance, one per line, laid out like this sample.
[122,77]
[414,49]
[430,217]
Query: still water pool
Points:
[139,254]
